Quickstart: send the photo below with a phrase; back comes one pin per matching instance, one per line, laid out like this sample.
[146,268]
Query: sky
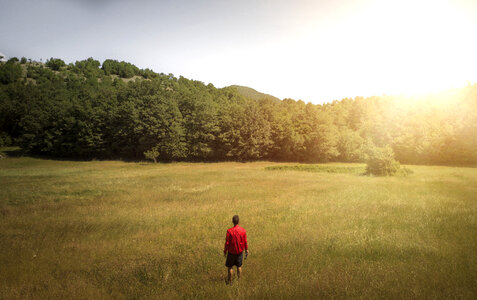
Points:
[316,51]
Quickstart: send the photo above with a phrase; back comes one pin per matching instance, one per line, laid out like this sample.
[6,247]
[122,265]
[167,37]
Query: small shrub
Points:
[404,171]
[152,154]
[381,162]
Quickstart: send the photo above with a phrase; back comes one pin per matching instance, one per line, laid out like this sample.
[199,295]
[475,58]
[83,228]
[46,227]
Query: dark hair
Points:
[235,219]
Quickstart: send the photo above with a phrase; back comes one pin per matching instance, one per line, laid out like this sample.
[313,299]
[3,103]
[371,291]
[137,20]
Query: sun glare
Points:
[379,47]
[421,46]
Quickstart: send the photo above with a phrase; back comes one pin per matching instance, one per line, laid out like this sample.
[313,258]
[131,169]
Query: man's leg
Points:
[239,271]
[230,272]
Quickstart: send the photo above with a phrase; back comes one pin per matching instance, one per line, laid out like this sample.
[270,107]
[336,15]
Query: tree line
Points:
[113,109]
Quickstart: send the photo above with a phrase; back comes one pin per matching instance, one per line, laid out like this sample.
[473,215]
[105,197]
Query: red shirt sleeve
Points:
[245,240]
[227,242]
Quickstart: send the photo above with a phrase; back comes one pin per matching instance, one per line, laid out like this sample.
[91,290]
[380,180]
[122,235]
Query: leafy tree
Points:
[199,114]
[152,154]
[5,139]
[10,71]
[123,69]
[55,64]
[88,67]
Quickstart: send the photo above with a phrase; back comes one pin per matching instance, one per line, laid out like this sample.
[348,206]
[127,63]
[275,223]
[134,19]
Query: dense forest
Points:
[89,110]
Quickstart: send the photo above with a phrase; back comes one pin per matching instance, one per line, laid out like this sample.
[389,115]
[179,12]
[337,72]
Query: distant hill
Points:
[253,94]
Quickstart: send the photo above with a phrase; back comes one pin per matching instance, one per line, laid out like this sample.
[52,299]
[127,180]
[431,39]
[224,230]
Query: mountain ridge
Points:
[251,93]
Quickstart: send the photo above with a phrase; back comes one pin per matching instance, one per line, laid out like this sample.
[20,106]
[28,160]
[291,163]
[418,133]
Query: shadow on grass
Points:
[11,152]
[15,151]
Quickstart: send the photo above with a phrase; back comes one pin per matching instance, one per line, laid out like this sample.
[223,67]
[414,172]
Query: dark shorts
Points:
[234,260]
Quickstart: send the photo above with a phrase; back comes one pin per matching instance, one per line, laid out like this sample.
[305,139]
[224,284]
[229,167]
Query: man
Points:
[235,243]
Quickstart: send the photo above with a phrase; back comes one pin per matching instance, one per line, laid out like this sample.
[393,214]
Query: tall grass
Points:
[137,230]
[322,168]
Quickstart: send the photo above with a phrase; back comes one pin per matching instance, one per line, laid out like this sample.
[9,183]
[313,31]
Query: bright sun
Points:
[410,47]
[373,48]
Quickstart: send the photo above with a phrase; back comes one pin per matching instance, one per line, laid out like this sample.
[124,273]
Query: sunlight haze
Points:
[316,51]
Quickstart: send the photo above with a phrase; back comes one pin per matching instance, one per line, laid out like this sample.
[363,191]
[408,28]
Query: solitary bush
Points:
[152,154]
[381,162]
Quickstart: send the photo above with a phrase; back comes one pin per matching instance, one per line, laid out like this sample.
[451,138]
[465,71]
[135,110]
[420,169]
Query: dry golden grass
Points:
[139,230]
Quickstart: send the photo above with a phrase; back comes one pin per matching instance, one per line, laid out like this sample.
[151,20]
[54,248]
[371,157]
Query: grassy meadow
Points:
[112,229]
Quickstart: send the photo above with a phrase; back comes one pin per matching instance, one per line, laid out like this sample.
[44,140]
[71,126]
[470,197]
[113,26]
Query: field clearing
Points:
[111,229]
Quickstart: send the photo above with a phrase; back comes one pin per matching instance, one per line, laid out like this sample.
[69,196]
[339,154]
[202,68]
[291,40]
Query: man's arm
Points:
[245,242]
[227,242]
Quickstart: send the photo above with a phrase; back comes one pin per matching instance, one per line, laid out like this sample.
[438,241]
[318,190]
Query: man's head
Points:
[235,219]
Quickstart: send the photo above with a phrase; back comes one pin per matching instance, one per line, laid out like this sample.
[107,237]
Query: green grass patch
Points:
[321,168]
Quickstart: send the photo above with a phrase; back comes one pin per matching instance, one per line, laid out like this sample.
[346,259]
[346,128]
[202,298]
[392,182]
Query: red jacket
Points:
[235,240]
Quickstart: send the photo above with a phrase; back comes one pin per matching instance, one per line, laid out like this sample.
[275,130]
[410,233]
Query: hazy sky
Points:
[311,50]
